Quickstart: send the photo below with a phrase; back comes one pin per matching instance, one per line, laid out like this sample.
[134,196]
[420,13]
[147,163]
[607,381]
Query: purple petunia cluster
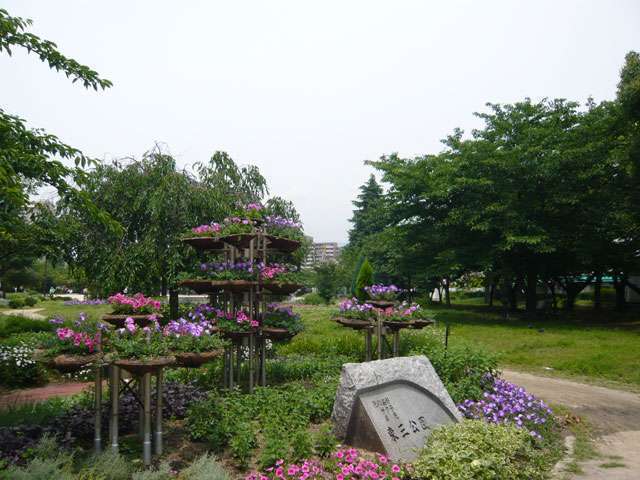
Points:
[183,327]
[379,291]
[352,305]
[507,403]
[239,266]
[97,301]
[281,222]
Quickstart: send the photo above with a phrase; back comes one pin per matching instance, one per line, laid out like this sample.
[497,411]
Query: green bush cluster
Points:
[313,299]
[18,368]
[464,369]
[475,450]
[12,324]
[276,419]
[20,302]
[48,461]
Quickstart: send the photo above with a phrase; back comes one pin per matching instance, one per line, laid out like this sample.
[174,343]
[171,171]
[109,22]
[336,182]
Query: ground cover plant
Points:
[476,450]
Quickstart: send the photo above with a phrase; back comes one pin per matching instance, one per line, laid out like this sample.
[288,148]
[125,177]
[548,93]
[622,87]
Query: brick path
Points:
[33,395]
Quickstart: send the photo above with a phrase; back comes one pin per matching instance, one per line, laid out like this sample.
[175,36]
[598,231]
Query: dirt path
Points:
[614,414]
[31,313]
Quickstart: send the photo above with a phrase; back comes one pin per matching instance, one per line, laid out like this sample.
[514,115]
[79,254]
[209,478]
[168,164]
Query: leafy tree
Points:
[326,280]
[156,203]
[30,158]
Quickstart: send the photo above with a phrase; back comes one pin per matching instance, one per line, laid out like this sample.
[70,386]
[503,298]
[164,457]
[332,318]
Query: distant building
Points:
[321,253]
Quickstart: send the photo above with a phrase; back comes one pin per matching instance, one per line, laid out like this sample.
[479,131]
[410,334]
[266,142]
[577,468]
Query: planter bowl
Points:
[354,323]
[140,367]
[276,334]
[195,359]
[117,320]
[73,363]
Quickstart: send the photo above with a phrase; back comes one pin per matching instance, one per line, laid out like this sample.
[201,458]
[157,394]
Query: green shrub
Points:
[205,467]
[12,324]
[17,366]
[463,369]
[224,420]
[475,450]
[162,472]
[325,441]
[242,444]
[106,466]
[16,303]
[45,462]
[276,446]
[364,279]
[301,445]
[30,301]
[313,299]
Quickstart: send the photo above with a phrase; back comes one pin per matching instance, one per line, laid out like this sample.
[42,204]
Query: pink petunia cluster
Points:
[207,228]
[256,207]
[272,271]
[78,338]
[136,303]
[344,464]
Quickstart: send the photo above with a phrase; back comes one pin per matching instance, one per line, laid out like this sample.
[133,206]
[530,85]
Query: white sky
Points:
[307,90]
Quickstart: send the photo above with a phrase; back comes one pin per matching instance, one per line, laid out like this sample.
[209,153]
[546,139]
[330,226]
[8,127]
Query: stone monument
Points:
[391,406]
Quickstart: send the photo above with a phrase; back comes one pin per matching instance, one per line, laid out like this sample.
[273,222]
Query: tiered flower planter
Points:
[380,325]
[247,346]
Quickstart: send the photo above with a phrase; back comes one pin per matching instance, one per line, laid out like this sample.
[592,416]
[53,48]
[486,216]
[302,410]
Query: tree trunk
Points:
[492,291]
[163,286]
[532,297]
[619,283]
[513,297]
[446,292]
[173,304]
[597,293]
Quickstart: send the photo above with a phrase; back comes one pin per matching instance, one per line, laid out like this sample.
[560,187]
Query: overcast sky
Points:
[307,90]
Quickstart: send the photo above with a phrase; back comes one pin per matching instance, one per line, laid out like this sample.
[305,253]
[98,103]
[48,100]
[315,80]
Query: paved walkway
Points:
[614,414]
[31,313]
[33,395]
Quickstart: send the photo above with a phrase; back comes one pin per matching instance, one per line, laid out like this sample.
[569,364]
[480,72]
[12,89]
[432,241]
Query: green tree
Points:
[365,279]
[31,158]
[326,280]
[368,217]
[156,203]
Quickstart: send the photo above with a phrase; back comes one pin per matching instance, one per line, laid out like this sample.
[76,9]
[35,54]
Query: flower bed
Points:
[343,464]
[509,404]
[97,301]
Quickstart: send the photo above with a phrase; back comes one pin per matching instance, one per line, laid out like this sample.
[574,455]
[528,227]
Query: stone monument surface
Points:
[391,406]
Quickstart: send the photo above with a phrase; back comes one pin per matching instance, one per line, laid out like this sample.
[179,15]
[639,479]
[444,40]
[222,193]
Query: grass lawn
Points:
[597,349]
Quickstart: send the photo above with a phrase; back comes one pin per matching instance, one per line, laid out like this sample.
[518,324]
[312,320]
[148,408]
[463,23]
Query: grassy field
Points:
[598,348]
[579,345]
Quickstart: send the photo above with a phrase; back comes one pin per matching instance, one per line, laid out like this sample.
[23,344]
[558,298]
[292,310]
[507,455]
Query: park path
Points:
[33,395]
[613,414]
[31,313]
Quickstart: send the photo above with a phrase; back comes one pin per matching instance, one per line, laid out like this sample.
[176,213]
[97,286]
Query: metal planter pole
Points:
[158,431]
[146,444]
[113,426]
[97,438]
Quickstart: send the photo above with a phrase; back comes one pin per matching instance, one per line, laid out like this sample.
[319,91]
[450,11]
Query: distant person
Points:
[52,291]
[85,292]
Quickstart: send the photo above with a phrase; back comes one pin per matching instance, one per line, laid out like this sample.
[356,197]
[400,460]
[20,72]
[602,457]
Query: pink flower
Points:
[395,469]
